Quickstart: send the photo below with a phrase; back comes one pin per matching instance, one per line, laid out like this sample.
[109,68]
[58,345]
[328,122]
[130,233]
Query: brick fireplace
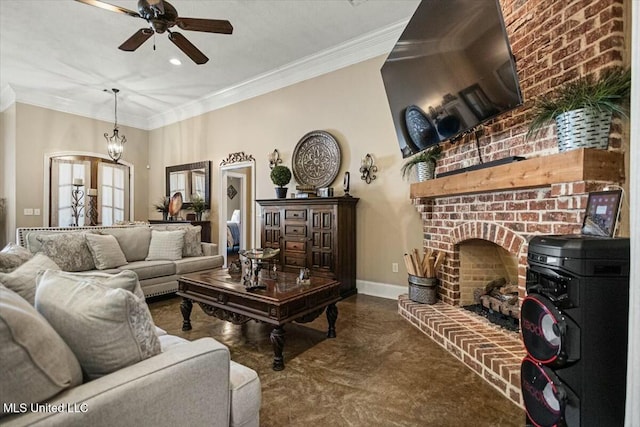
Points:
[509,204]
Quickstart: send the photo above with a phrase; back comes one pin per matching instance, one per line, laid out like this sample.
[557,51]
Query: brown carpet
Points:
[379,371]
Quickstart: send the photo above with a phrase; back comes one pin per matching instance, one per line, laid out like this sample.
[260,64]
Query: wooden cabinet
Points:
[205,234]
[316,233]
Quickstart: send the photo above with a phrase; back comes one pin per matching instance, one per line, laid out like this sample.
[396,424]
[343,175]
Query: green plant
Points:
[197,204]
[162,205]
[430,155]
[280,175]
[609,93]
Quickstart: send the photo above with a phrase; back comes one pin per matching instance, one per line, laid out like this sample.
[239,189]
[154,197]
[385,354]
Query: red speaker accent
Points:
[550,337]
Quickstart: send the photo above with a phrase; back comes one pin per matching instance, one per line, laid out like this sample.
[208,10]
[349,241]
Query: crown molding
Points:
[356,50]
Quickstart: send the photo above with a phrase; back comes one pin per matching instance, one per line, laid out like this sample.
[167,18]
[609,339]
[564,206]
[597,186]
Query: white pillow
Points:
[166,245]
[106,251]
[35,363]
[13,256]
[126,279]
[107,329]
[23,279]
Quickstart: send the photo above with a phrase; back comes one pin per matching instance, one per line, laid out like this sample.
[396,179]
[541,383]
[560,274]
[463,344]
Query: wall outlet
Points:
[28,211]
[394,267]
[36,211]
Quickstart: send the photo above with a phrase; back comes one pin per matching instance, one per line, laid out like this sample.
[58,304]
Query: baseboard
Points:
[382,290]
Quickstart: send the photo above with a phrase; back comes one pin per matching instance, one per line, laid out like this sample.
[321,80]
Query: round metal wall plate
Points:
[316,159]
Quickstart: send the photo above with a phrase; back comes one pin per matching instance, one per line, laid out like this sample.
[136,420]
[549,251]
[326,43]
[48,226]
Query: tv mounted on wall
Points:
[451,70]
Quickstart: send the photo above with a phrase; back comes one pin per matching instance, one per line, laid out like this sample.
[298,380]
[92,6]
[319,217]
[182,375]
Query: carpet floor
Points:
[379,371]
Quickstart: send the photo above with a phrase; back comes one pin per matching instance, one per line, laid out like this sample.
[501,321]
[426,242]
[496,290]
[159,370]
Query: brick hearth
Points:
[490,351]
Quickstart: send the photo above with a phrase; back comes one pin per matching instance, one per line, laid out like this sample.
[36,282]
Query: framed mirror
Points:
[190,179]
[236,205]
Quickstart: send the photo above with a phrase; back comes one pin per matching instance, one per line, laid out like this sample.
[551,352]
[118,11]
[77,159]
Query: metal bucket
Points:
[583,128]
[423,289]
[425,170]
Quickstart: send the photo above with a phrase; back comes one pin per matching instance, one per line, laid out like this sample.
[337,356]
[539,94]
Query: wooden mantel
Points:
[585,164]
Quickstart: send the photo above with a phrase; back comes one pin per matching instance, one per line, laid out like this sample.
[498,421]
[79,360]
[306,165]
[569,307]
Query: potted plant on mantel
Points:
[281,176]
[424,163]
[583,108]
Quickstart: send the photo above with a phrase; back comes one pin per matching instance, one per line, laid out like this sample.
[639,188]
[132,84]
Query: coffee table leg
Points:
[277,339]
[332,316]
[185,308]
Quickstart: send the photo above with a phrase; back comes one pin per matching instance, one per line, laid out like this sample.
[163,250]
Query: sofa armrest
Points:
[209,249]
[187,382]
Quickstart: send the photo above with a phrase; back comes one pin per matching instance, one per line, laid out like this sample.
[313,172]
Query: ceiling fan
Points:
[162,16]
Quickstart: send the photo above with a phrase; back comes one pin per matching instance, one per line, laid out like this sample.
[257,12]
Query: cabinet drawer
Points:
[300,214]
[295,230]
[294,246]
[294,260]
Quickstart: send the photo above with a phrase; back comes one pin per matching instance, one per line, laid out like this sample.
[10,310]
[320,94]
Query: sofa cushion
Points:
[106,251]
[192,264]
[151,269]
[125,279]
[134,241]
[13,256]
[245,394]
[166,245]
[23,279]
[106,328]
[167,342]
[35,363]
[69,250]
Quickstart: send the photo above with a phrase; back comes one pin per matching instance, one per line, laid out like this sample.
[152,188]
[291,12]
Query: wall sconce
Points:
[367,169]
[274,159]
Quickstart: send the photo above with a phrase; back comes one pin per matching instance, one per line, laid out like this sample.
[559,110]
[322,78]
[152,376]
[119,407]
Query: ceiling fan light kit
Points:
[161,17]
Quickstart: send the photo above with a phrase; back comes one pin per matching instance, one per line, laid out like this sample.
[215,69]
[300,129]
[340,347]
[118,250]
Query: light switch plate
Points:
[36,211]
[28,211]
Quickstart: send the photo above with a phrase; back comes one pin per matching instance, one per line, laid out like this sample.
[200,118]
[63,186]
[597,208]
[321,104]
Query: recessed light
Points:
[175,61]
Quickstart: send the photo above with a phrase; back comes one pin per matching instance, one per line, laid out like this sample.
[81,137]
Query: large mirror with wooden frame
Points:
[189,179]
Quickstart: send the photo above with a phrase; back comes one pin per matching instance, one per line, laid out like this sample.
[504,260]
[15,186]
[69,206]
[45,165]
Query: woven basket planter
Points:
[425,170]
[583,128]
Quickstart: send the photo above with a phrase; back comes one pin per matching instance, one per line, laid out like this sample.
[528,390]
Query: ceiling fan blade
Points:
[112,8]
[136,40]
[205,25]
[188,48]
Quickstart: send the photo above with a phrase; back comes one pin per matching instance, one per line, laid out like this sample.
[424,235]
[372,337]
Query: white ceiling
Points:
[61,54]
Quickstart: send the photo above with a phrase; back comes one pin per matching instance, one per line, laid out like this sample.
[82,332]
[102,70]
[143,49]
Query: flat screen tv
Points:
[451,70]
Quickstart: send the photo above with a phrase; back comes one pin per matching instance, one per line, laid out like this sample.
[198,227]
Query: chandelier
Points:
[115,142]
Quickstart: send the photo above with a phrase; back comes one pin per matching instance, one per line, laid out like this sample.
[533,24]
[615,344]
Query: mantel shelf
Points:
[585,164]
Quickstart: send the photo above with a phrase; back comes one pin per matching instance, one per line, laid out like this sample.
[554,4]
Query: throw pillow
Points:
[35,363]
[23,279]
[166,245]
[192,241]
[126,279]
[107,329]
[13,256]
[134,241]
[68,250]
[106,251]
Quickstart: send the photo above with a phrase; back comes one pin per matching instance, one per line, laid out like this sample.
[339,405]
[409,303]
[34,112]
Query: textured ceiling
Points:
[62,54]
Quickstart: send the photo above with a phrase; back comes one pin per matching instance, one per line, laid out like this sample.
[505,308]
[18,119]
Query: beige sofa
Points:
[156,277]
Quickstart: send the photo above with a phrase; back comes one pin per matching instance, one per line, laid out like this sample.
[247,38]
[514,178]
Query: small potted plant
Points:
[582,109]
[198,206]
[281,176]
[163,206]
[424,163]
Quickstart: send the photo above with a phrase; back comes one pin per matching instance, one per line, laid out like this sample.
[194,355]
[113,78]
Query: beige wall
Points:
[350,104]
[40,131]
[7,185]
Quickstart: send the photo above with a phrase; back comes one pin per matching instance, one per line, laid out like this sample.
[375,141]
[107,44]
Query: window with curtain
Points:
[110,180]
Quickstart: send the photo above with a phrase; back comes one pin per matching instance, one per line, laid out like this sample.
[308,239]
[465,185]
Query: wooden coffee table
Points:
[283,301]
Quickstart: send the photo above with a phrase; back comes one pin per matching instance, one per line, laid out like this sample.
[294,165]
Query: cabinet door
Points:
[322,234]
[271,228]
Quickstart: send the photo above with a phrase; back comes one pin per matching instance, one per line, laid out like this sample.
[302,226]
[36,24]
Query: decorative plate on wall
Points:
[420,128]
[316,159]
